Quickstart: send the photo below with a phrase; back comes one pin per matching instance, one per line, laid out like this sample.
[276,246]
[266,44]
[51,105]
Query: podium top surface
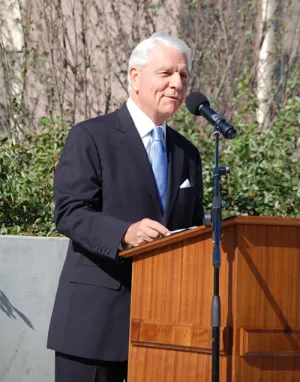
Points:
[202,230]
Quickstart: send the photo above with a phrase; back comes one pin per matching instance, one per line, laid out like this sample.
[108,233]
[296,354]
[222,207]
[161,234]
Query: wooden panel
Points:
[259,289]
[268,282]
[267,297]
[171,335]
[161,365]
[260,342]
[174,285]
[267,369]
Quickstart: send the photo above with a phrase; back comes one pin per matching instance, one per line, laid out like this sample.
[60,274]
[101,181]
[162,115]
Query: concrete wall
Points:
[29,272]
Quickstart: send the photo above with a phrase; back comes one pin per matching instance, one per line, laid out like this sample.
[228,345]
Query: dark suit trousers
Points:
[75,369]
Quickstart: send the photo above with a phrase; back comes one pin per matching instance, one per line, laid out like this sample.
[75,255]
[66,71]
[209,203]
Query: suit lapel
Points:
[135,149]
[175,169]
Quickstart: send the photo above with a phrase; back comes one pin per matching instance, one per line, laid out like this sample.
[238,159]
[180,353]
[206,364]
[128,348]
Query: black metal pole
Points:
[215,313]
[216,306]
[216,260]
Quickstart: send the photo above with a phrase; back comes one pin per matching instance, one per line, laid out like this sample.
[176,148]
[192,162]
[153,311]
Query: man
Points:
[124,179]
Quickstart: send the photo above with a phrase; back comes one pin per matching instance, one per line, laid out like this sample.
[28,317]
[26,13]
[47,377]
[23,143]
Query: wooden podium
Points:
[172,288]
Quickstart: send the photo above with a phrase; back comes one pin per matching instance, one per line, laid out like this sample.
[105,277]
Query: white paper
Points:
[181,230]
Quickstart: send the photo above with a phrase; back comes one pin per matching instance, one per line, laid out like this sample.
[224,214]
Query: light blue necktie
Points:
[159,162]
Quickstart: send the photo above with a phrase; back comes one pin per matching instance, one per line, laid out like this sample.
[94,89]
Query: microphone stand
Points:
[216,258]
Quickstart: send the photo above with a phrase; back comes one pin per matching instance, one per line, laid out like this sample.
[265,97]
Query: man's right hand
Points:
[144,232]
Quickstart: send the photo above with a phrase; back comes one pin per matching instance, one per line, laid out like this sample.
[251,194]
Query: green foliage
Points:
[264,178]
[26,180]
[265,175]
[265,169]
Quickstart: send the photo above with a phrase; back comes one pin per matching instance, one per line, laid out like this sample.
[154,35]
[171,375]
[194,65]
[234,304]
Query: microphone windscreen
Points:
[194,100]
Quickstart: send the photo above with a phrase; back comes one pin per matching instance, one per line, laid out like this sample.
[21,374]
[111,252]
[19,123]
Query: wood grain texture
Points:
[267,296]
[171,299]
[183,337]
[170,366]
[172,291]
[269,342]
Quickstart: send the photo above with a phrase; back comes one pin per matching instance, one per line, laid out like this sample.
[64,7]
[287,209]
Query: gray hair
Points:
[140,54]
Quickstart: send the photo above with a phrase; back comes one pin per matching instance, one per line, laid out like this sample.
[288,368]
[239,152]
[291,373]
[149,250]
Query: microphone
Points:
[198,104]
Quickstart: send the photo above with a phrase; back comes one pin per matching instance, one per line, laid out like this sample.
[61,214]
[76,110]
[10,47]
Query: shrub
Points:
[26,180]
[264,178]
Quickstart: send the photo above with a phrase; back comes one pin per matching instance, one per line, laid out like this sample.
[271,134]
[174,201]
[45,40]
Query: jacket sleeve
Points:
[78,197]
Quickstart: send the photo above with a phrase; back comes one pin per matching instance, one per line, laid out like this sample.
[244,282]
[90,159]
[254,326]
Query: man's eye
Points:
[184,75]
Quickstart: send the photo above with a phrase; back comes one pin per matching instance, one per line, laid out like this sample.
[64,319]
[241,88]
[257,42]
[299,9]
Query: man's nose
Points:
[176,81]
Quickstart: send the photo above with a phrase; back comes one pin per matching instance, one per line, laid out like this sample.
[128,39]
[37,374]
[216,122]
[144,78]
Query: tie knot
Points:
[158,133]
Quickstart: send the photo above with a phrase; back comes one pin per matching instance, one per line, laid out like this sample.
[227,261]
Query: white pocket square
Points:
[186,184]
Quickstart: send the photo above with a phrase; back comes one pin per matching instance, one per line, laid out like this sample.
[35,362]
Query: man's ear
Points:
[135,79]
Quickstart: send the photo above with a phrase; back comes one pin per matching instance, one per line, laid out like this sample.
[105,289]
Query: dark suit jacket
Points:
[103,184]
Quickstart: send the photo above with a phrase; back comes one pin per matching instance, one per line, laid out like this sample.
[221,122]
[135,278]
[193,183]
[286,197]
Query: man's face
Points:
[160,87]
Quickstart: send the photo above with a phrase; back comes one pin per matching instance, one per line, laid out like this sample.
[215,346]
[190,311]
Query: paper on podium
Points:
[181,230]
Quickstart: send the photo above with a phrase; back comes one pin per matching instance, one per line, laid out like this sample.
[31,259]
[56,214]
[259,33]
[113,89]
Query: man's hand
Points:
[144,232]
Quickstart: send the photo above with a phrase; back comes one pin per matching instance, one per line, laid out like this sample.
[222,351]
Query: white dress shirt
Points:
[143,124]
[144,127]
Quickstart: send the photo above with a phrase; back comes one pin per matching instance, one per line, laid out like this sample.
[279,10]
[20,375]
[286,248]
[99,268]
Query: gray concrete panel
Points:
[29,272]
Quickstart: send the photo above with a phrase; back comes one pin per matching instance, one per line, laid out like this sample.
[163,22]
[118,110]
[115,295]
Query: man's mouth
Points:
[172,97]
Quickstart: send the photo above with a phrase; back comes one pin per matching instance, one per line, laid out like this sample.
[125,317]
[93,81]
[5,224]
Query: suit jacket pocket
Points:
[184,208]
[93,275]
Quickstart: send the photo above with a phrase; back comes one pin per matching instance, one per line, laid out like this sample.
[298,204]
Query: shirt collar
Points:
[142,122]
